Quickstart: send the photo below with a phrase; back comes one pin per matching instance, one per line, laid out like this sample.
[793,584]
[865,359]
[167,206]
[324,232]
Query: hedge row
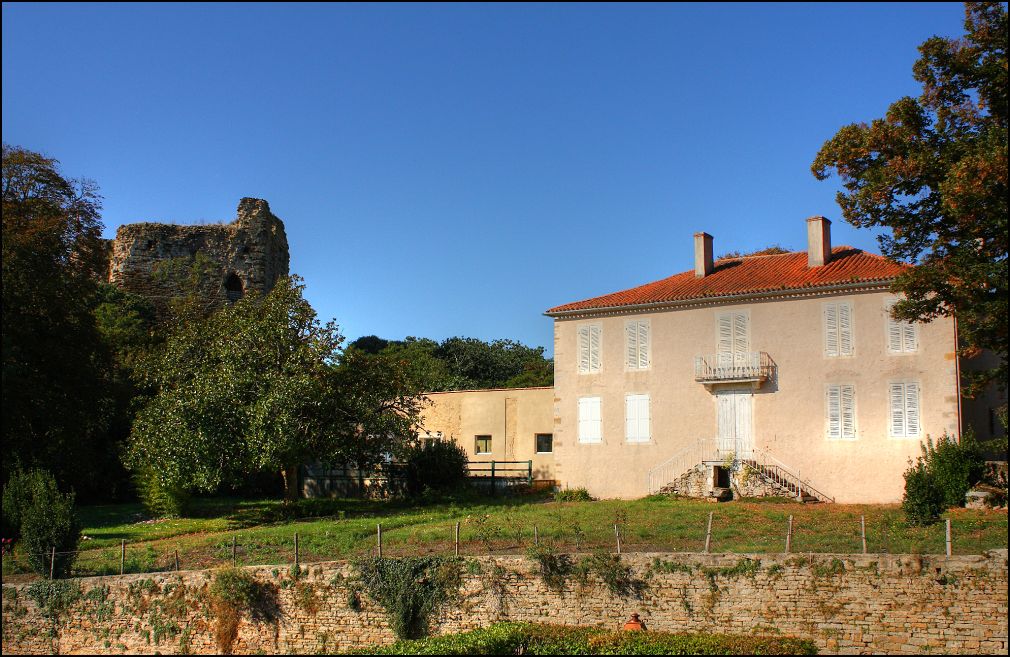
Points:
[530,639]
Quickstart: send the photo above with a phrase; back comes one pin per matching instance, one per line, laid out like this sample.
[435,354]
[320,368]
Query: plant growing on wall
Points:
[235,592]
[410,589]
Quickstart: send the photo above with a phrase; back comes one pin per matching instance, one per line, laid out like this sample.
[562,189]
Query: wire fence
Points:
[481,537]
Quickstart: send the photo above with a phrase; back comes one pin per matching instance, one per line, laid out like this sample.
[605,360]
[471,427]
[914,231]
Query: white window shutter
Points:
[643,345]
[631,345]
[848,411]
[643,418]
[833,405]
[741,339]
[594,348]
[894,335]
[909,337]
[830,329]
[725,336]
[844,329]
[911,409]
[897,416]
[589,420]
[630,418]
[583,349]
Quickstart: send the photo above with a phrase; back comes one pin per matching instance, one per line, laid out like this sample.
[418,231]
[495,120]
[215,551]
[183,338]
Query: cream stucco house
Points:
[773,374]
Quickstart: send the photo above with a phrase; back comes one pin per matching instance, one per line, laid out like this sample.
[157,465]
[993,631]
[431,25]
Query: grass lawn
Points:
[336,529]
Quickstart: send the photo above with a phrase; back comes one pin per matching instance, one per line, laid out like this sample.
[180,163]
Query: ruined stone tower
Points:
[230,260]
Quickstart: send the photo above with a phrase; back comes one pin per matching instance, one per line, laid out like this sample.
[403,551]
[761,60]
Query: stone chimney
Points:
[703,264]
[818,241]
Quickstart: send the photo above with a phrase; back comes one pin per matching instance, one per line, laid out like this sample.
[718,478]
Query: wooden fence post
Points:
[789,535]
[176,561]
[949,550]
[122,557]
[296,552]
[617,533]
[234,551]
[457,539]
[52,563]
[862,529]
[708,532]
[536,535]
[378,537]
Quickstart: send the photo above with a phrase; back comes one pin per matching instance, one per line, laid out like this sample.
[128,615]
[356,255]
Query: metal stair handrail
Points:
[788,475]
[691,455]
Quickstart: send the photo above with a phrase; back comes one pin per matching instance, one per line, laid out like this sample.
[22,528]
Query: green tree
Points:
[934,172]
[241,391]
[55,406]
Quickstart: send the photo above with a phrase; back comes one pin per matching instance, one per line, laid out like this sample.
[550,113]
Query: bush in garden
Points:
[17,496]
[159,499]
[50,520]
[941,477]
[438,466]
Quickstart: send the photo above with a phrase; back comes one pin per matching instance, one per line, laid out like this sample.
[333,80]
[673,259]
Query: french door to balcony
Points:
[735,414]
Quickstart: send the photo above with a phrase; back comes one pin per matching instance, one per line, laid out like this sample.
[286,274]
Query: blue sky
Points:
[457,169]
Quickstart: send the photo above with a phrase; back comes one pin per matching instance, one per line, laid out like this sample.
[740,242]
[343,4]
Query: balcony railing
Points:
[725,368]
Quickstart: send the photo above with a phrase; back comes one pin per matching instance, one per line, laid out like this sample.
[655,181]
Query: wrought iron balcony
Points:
[752,366]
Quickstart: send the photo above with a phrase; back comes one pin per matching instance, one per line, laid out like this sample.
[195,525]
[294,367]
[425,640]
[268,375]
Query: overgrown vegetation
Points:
[618,577]
[572,495]
[235,592]
[553,567]
[941,477]
[45,519]
[410,589]
[434,467]
[531,639]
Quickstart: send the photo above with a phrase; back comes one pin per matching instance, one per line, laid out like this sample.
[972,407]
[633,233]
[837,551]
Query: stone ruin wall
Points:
[249,254]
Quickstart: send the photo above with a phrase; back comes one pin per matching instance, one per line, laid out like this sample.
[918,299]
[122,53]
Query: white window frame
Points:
[632,415]
[637,357]
[901,389]
[584,343]
[835,395]
[905,334]
[838,349]
[585,423]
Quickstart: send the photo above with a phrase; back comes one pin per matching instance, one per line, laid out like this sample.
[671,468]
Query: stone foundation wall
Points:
[845,603]
[744,482]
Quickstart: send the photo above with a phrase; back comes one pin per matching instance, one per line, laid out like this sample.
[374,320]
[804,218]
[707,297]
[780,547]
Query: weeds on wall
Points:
[618,577]
[553,567]
[410,589]
[233,593]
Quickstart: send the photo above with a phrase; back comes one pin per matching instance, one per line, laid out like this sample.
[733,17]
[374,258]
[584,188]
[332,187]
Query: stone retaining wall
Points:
[845,603]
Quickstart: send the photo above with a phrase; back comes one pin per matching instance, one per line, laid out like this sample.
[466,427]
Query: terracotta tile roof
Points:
[749,275]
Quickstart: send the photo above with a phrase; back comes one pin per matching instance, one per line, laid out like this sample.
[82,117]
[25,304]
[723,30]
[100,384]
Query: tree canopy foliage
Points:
[55,395]
[465,363]
[934,172]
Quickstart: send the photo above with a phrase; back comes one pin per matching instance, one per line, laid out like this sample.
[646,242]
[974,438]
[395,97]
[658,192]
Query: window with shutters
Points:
[840,411]
[732,339]
[636,418]
[589,420]
[838,329]
[904,409]
[590,338]
[636,344]
[902,337]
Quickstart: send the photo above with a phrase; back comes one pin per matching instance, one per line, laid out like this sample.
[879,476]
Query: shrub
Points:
[572,495]
[618,577]
[437,466]
[160,500]
[49,520]
[410,589]
[17,497]
[941,477]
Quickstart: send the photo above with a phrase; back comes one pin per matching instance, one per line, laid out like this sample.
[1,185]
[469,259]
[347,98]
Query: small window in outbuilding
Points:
[233,287]
[482,444]
[545,443]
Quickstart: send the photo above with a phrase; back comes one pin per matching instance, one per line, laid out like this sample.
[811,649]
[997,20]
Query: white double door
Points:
[735,415]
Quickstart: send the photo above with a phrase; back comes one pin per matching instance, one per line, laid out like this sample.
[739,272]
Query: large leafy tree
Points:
[934,172]
[55,406]
[238,392]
